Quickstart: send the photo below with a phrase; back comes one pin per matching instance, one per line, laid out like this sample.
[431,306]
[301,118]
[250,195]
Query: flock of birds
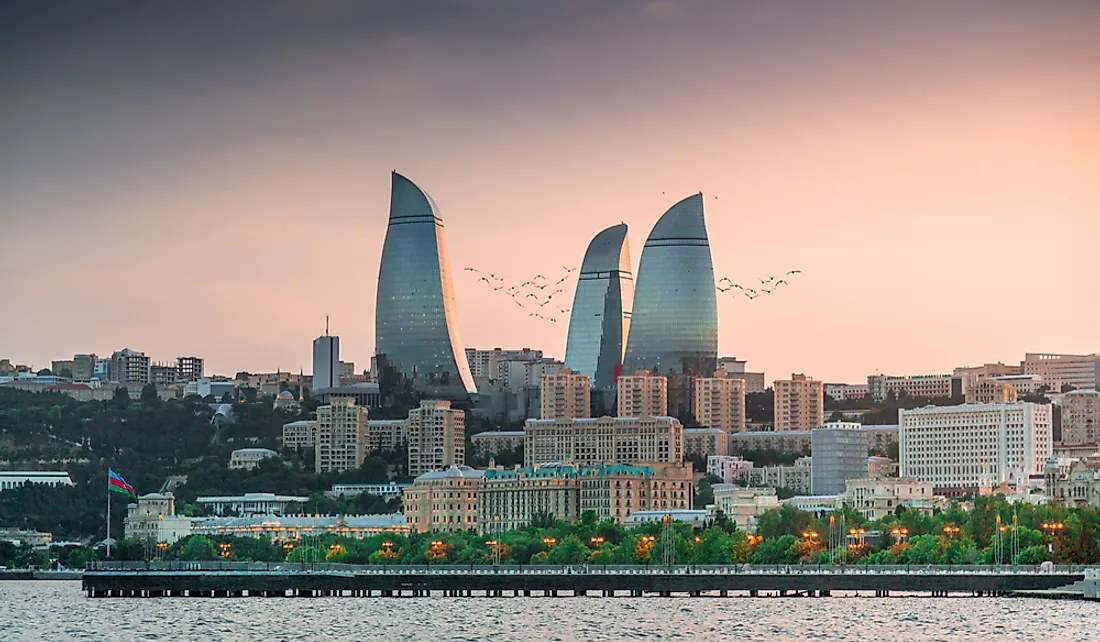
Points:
[536,295]
[540,296]
[767,285]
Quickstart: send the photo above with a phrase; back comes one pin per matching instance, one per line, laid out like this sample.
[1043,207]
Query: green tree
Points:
[570,550]
[198,548]
[121,399]
[149,393]
[1033,555]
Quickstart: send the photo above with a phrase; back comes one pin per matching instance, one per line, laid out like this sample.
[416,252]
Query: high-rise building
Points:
[642,394]
[343,438]
[346,369]
[437,437]
[326,361]
[971,446]
[719,402]
[799,403]
[127,365]
[566,394]
[1081,417]
[189,368]
[839,453]
[487,364]
[1080,371]
[735,368]
[416,322]
[603,440]
[599,321]
[674,323]
[59,366]
[163,374]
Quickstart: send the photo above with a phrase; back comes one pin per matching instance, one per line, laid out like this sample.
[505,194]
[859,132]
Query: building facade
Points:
[974,445]
[876,498]
[846,391]
[491,442]
[486,364]
[153,519]
[437,437]
[674,325]
[416,319]
[326,361]
[930,386]
[839,453]
[726,467]
[991,391]
[343,439]
[1080,417]
[565,394]
[293,530]
[1080,371]
[128,365]
[252,504]
[799,403]
[719,402]
[189,368]
[642,394]
[10,479]
[444,500]
[249,458]
[300,434]
[603,440]
[599,321]
[791,442]
[797,477]
[742,505]
[388,435]
[701,443]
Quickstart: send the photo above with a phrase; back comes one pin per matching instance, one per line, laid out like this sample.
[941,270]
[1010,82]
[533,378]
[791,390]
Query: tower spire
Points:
[326,325]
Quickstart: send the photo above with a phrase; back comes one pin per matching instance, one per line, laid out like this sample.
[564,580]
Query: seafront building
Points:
[416,321]
[252,504]
[741,506]
[839,453]
[963,448]
[436,437]
[153,519]
[603,440]
[444,500]
[599,321]
[343,439]
[642,394]
[295,530]
[799,403]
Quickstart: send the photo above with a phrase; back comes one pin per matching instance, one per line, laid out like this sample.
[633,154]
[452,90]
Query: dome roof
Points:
[286,394]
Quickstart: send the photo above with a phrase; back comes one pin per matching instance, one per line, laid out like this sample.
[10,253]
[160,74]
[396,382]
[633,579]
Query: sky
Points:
[212,179]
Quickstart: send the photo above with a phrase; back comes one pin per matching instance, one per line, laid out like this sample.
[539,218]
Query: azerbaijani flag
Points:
[116,483]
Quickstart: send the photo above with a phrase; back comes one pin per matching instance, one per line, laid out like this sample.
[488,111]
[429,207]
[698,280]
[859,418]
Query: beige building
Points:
[153,519]
[991,391]
[1080,371]
[1080,417]
[343,440]
[704,442]
[495,441]
[927,386]
[437,437]
[249,458]
[300,434]
[388,435]
[444,500]
[719,402]
[617,491]
[57,366]
[846,391]
[641,394]
[604,440]
[742,505]
[735,368]
[788,441]
[876,498]
[797,478]
[799,403]
[298,528]
[566,394]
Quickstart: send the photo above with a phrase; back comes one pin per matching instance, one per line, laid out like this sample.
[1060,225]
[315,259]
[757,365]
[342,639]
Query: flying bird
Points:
[780,281]
[470,269]
[499,287]
[531,295]
[483,279]
[795,272]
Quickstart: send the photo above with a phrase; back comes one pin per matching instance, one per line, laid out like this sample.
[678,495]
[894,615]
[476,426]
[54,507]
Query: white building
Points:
[726,467]
[205,387]
[390,490]
[742,505]
[301,528]
[975,445]
[845,391]
[10,479]
[153,519]
[495,441]
[249,458]
[251,504]
[797,478]
[1082,371]
[876,498]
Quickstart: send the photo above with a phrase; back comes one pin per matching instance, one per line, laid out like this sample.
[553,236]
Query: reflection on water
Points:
[59,611]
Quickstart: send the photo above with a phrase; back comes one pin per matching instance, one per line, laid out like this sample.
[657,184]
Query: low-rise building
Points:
[1075,485]
[495,441]
[791,442]
[796,478]
[876,498]
[300,434]
[251,504]
[207,387]
[249,458]
[444,500]
[839,452]
[391,490]
[991,391]
[816,504]
[726,467]
[603,440]
[704,442]
[741,505]
[693,518]
[289,529]
[23,537]
[10,479]
[846,391]
[153,519]
[881,467]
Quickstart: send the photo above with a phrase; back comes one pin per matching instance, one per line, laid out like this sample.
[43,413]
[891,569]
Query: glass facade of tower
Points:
[415,316]
[599,321]
[674,327]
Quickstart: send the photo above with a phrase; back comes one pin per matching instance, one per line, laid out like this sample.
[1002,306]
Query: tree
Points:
[704,493]
[149,393]
[121,399]
[44,372]
[570,550]
[1033,555]
[198,548]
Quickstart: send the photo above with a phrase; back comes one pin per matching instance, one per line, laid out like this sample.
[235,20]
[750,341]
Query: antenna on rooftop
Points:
[326,325]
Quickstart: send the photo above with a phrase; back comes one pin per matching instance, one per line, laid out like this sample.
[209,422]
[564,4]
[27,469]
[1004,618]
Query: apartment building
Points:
[1080,417]
[437,437]
[603,440]
[719,402]
[343,439]
[799,403]
[566,394]
[642,394]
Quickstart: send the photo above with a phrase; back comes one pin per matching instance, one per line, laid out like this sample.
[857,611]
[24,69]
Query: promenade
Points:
[240,579]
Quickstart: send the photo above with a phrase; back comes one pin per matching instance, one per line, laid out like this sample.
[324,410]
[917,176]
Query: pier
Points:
[250,579]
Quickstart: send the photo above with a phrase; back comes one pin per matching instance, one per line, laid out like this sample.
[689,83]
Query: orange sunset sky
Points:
[213,179]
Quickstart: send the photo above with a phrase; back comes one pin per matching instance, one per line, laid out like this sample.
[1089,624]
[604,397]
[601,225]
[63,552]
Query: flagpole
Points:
[108,513]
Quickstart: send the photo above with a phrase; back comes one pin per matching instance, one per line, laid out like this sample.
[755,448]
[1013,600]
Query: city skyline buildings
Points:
[846,156]
[599,319]
[416,325]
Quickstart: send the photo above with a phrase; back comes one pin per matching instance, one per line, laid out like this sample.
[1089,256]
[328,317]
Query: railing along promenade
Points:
[225,579]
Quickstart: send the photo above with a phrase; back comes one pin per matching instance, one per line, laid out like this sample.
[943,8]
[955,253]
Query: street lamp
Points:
[597,540]
[549,541]
[900,534]
[225,549]
[161,547]
[950,530]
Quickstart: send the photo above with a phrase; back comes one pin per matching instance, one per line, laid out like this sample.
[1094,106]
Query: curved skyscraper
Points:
[599,321]
[415,318]
[674,327]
